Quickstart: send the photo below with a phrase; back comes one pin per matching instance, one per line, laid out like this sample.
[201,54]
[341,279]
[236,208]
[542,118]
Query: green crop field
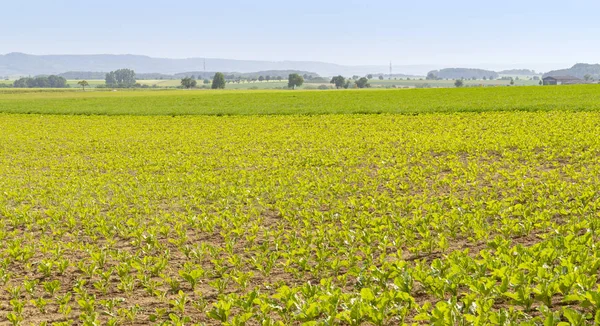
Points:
[448,83]
[232,102]
[474,206]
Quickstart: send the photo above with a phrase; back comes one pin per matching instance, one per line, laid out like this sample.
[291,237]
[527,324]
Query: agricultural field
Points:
[243,102]
[174,83]
[450,207]
[447,83]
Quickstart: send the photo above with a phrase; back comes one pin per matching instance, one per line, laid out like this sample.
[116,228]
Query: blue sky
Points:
[345,32]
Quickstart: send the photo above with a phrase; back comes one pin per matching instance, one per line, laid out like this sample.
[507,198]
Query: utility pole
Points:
[391,70]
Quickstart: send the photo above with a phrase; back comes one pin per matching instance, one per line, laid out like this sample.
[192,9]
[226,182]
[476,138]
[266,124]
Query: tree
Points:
[57,81]
[431,76]
[380,77]
[339,81]
[218,81]
[261,78]
[369,76]
[120,78]
[512,81]
[587,77]
[459,83]
[110,79]
[268,78]
[363,83]
[188,82]
[279,78]
[295,80]
[83,84]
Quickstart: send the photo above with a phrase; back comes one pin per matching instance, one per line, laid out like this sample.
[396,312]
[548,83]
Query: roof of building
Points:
[562,78]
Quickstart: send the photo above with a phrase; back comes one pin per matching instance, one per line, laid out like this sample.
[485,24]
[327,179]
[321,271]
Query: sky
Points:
[368,32]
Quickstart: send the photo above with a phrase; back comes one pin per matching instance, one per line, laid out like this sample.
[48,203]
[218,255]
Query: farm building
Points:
[561,80]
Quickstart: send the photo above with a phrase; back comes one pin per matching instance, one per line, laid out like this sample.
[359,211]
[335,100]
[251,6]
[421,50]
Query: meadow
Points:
[450,207]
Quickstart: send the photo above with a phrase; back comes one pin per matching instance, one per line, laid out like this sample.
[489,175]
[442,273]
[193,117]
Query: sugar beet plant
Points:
[458,219]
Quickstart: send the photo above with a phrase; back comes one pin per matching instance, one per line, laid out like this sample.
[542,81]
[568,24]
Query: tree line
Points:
[342,82]
[219,81]
[51,81]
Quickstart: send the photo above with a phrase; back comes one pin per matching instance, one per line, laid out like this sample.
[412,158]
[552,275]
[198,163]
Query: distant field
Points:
[231,102]
[448,83]
[172,83]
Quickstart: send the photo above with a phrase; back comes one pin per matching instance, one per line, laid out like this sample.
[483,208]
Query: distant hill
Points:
[273,73]
[518,72]
[467,73]
[197,74]
[83,75]
[279,73]
[579,70]
[21,64]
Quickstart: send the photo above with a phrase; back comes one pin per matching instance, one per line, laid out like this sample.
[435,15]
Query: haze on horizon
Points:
[508,33]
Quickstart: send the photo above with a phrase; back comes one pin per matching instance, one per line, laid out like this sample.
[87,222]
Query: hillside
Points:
[20,64]
[518,72]
[466,73]
[579,70]
[197,74]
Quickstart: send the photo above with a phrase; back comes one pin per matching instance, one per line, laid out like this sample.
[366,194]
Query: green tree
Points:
[295,80]
[188,82]
[362,83]
[57,81]
[431,76]
[261,78]
[338,81]
[369,76]
[20,83]
[110,79]
[459,83]
[587,77]
[218,81]
[83,84]
[121,78]
[380,77]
